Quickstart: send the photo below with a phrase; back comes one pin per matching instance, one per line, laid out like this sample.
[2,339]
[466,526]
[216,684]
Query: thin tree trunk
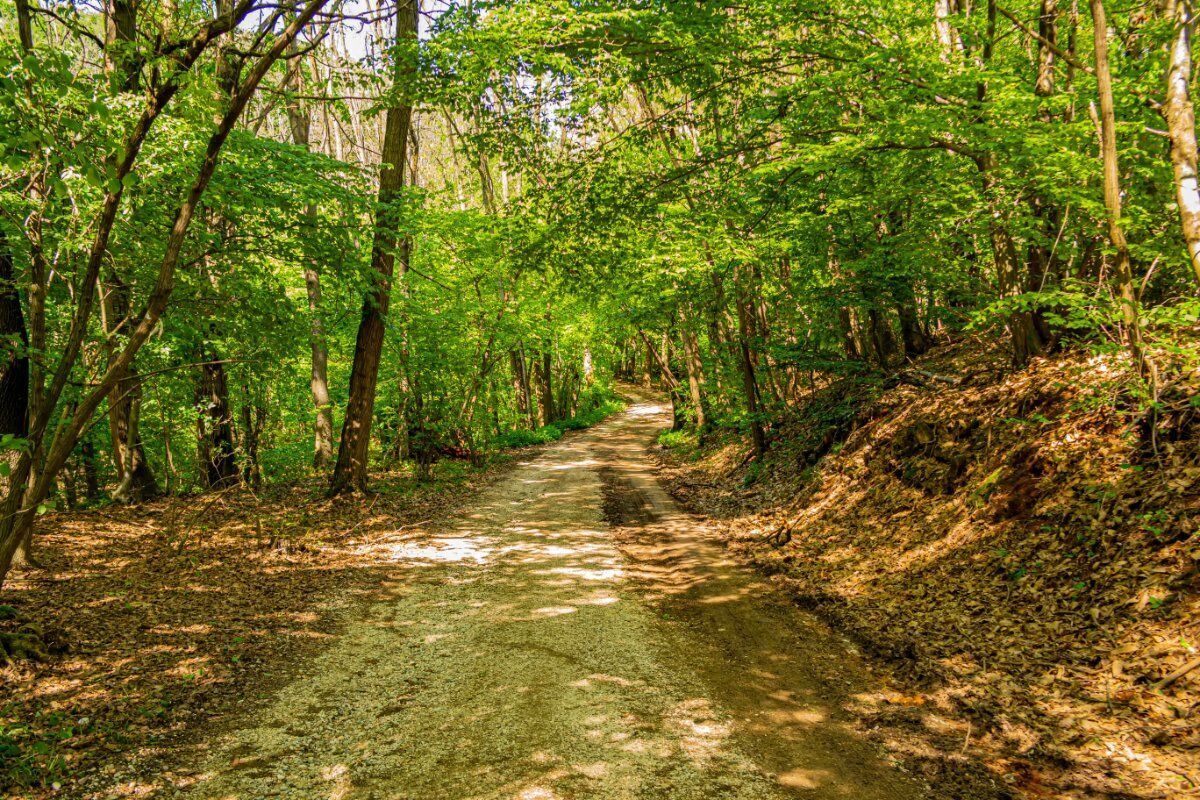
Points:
[1041,249]
[749,383]
[543,379]
[91,482]
[647,365]
[911,335]
[673,386]
[300,122]
[214,425]
[350,471]
[695,373]
[254,418]
[1026,342]
[135,477]
[1123,271]
[14,360]
[1181,126]
[520,382]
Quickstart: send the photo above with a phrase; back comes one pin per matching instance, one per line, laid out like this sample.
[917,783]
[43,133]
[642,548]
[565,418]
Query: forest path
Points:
[576,636]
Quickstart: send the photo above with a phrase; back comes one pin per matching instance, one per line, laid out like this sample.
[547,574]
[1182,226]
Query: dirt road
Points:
[576,636]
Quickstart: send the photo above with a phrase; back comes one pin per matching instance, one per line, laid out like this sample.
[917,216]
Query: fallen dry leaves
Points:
[167,614]
[1025,562]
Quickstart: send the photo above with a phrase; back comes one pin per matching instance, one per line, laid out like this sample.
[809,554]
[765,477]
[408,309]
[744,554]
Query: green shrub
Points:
[670,439]
[586,419]
[526,438]
[551,433]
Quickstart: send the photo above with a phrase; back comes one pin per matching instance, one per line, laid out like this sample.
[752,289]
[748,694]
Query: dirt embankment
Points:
[1012,543]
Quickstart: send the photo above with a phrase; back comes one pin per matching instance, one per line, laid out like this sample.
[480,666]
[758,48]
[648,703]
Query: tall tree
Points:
[300,123]
[1181,126]
[1122,268]
[388,247]
[19,507]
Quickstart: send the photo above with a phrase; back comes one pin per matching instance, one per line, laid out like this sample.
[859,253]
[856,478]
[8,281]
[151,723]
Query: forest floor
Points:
[570,634]
[159,616]
[1011,544]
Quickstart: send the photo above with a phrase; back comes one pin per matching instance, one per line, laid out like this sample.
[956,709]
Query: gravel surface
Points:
[575,635]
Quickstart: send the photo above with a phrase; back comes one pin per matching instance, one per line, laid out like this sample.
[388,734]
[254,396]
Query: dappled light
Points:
[530,649]
[494,399]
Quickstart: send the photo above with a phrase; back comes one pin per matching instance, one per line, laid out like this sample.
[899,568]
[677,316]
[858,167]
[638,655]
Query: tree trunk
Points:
[214,425]
[350,471]
[1041,249]
[883,342]
[1026,341]
[749,383]
[527,378]
[668,376]
[14,360]
[520,382]
[121,61]
[545,390]
[87,456]
[137,481]
[695,373]
[134,476]
[1123,271]
[300,122]
[647,365]
[1181,126]
[911,334]
[254,418]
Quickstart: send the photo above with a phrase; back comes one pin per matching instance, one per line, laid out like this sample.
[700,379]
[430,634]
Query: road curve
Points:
[572,635]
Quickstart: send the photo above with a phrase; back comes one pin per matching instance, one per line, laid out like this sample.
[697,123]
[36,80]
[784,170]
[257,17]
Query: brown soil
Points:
[162,616]
[529,648]
[797,692]
[1014,546]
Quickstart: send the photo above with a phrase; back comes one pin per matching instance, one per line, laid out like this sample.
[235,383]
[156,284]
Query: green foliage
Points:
[822,191]
[528,438]
[673,439]
[35,755]
[595,416]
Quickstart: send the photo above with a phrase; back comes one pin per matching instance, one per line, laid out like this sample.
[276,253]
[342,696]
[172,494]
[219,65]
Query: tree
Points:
[389,246]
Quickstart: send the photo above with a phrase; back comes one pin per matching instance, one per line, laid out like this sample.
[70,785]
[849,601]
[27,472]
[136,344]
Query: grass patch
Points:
[527,438]
[676,439]
[594,417]
[554,431]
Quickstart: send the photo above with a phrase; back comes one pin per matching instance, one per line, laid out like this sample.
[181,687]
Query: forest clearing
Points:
[607,398]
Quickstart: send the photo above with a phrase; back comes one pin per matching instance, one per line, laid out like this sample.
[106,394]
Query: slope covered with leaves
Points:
[1009,542]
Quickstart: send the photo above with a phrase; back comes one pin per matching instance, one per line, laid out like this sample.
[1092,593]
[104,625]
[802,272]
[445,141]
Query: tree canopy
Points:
[240,241]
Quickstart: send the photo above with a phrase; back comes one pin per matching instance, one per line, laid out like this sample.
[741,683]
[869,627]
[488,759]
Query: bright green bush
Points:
[526,438]
[551,433]
[587,419]
[670,439]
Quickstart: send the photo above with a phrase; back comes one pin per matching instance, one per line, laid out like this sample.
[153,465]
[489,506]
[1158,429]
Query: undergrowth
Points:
[605,405]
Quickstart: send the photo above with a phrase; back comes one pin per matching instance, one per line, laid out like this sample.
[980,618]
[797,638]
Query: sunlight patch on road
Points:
[797,716]
[339,775]
[701,734]
[554,611]
[599,600]
[803,778]
[646,410]
[584,464]
[587,573]
[441,550]
[537,793]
